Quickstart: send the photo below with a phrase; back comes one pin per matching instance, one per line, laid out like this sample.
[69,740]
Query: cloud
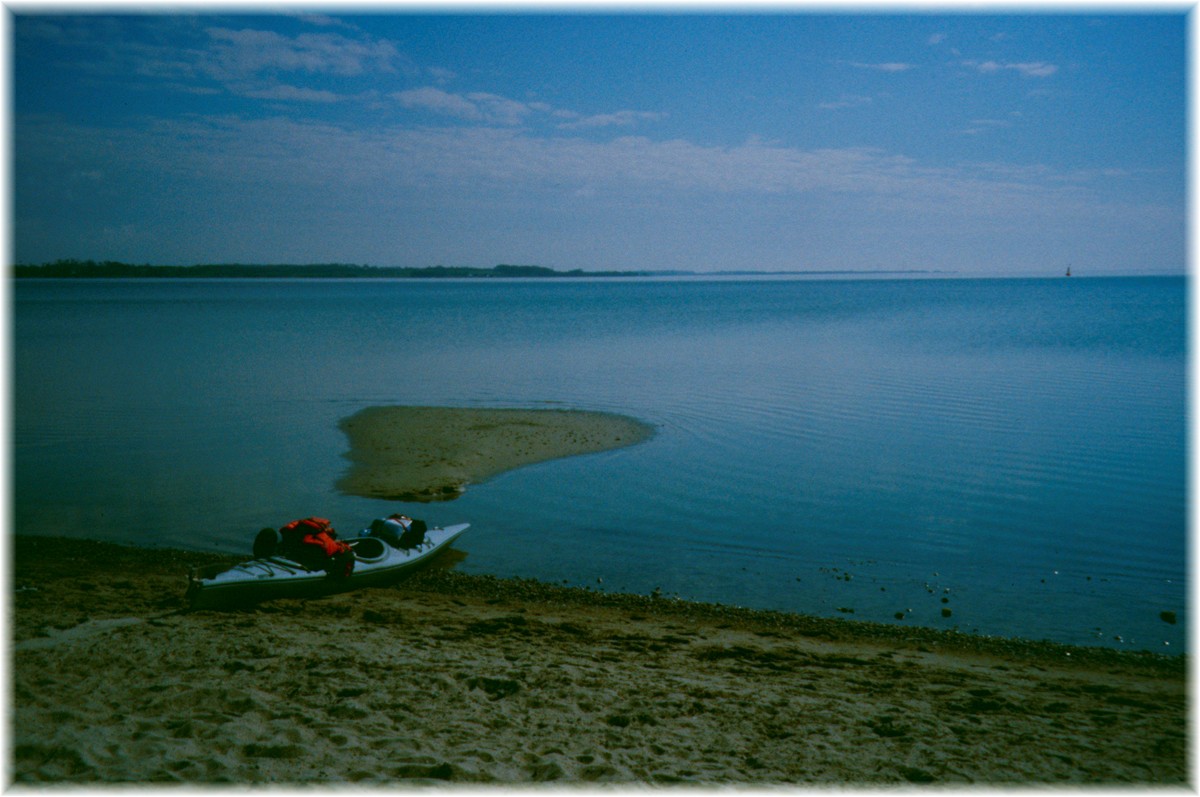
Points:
[617,119]
[474,106]
[430,98]
[180,55]
[347,187]
[846,101]
[499,110]
[320,20]
[247,52]
[441,74]
[936,38]
[490,108]
[1027,69]
[890,66]
[274,153]
[288,93]
[978,126]
[41,29]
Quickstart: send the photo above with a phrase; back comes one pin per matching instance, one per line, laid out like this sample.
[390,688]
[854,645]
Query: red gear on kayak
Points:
[318,533]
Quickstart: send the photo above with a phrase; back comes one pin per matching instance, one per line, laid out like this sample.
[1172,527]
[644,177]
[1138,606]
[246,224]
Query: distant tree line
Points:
[110,269]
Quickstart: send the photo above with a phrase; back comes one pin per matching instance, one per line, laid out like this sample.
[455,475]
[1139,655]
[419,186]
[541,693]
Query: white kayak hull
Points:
[376,562]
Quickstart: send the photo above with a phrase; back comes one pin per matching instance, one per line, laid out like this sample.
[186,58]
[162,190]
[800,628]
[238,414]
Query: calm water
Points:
[822,445]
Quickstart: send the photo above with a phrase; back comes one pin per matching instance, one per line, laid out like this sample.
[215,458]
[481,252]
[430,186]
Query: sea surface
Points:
[1012,451]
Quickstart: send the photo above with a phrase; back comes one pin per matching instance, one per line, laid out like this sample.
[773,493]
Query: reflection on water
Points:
[820,446]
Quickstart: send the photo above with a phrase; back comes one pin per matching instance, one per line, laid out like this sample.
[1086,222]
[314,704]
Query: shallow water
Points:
[822,445]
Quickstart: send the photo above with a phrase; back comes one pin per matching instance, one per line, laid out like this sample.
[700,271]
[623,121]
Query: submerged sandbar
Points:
[428,454]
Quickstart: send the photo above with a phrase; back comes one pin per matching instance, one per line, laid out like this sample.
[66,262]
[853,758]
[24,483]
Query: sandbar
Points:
[426,454]
[453,679]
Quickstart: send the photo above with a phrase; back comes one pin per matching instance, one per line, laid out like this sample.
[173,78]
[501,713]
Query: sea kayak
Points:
[375,562]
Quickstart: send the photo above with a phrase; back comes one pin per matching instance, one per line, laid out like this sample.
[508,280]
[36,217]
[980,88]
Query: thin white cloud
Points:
[321,20]
[249,62]
[41,29]
[311,174]
[495,109]
[474,106]
[846,101]
[499,110]
[617,119]
[289,93]
[980,126]
[248,51]
[889,66]
[936,38]
[1026,69]
[431,98]
[205,60]
[271,152]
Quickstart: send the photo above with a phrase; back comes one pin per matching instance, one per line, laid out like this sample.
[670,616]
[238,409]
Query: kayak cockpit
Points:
[369,549]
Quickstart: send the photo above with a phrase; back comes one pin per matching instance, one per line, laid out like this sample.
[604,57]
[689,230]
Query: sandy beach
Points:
[425,454]
[450,679]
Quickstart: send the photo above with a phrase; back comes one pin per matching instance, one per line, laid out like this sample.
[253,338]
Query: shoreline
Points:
[447,677]
[441,578]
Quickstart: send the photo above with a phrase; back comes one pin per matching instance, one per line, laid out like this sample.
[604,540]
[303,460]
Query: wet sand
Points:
[450,679]
[432,453]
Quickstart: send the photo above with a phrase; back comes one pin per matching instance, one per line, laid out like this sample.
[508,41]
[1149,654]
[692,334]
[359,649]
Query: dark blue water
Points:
[822,446]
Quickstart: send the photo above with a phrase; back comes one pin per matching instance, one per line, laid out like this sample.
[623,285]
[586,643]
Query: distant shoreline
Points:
[90,269]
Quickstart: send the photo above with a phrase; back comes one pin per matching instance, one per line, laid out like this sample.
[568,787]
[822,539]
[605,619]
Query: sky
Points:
[1003,143]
